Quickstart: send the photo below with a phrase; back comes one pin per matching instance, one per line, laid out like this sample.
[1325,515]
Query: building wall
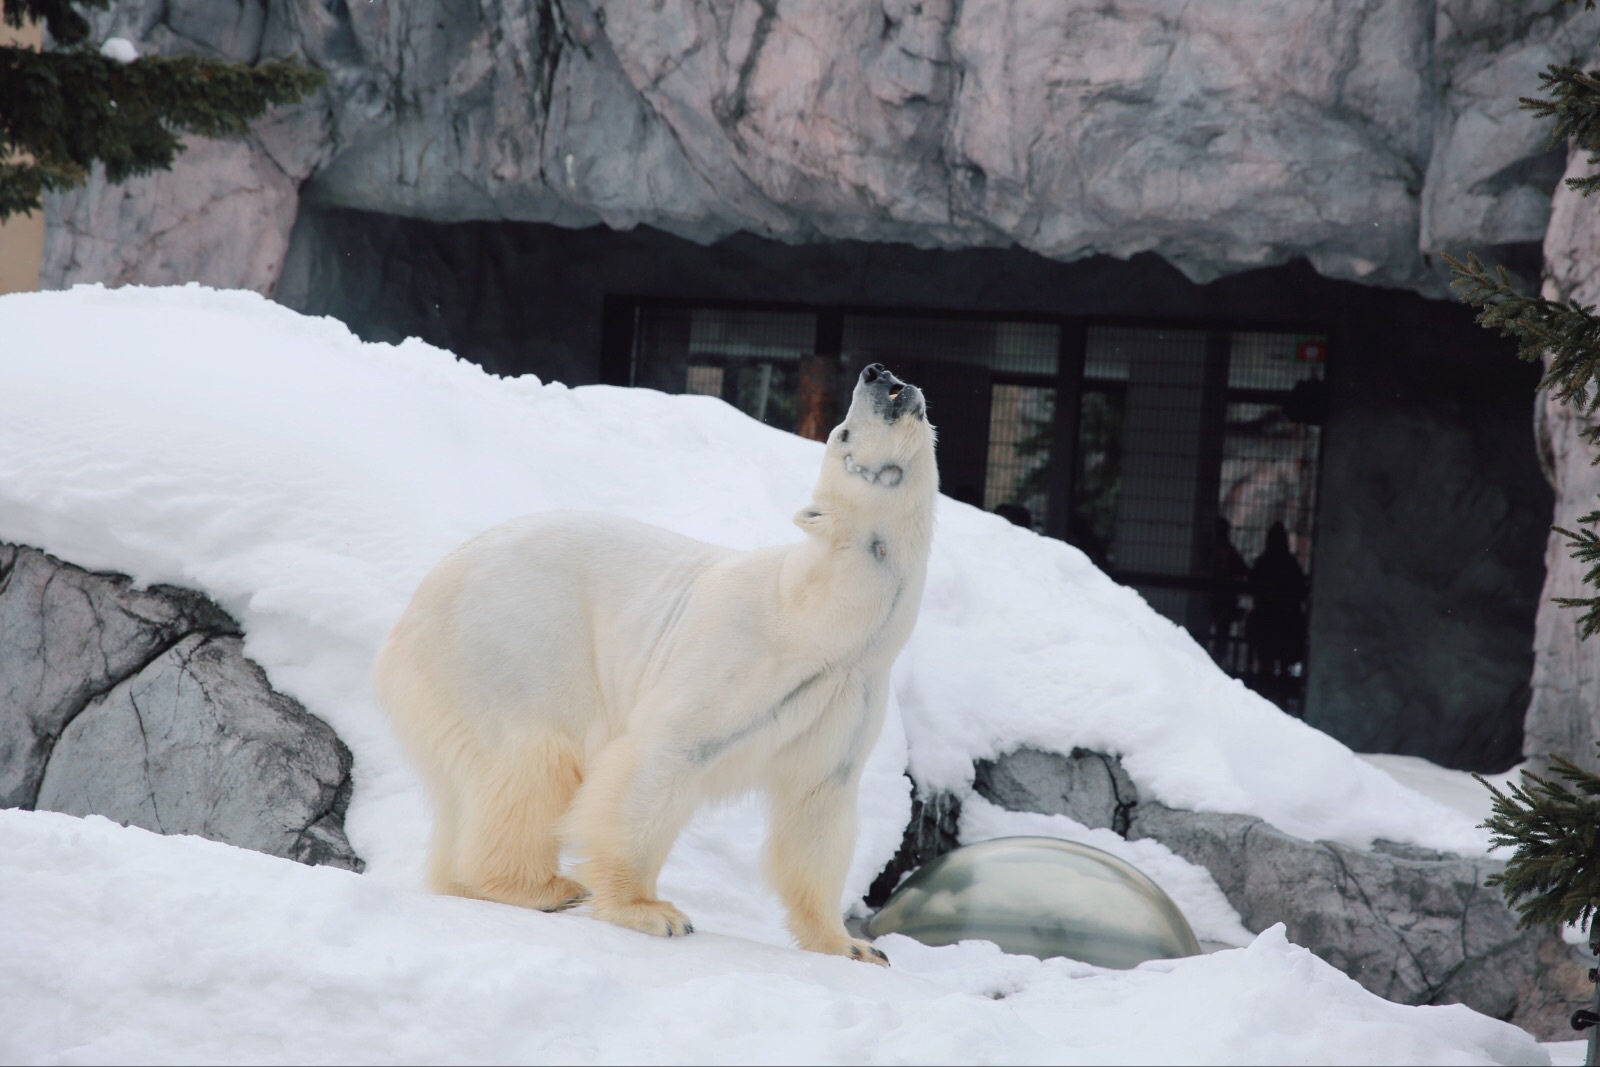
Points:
[1433,511]
[21,236]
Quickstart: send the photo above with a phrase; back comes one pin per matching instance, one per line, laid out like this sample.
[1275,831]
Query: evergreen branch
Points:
[1553,875]
[66,111]
[1584,547]
[1574,103]
[1569,333]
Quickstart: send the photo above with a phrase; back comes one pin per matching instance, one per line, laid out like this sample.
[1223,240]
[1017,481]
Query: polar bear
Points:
[586,680]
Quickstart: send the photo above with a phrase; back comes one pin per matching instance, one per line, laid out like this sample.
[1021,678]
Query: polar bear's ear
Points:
[812,519]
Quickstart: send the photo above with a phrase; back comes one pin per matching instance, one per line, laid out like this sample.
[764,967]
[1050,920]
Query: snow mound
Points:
[113,956]
[307,480]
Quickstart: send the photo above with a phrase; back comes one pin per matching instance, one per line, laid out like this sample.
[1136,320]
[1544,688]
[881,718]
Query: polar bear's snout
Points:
[890,396]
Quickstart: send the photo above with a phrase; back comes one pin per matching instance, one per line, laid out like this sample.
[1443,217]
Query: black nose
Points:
[873,372]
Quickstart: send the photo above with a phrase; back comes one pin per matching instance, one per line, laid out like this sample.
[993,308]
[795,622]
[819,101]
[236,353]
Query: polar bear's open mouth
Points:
[894,393]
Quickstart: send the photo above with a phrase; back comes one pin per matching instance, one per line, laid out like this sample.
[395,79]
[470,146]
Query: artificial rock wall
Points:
[1564,714]
[1362,135]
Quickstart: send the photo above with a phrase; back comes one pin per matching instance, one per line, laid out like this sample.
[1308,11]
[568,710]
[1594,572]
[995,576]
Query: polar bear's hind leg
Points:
[504,835]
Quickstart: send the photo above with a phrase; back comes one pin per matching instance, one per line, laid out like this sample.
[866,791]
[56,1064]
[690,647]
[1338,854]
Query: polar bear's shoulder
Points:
[587,533]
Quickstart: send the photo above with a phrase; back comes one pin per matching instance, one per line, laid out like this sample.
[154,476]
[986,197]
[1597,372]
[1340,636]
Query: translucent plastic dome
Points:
[1042,897]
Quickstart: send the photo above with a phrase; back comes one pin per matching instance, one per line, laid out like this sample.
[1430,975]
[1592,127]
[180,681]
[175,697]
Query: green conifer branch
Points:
[1584,546]
[1568,333]
[1554,873]
[1574,103]
[63,111]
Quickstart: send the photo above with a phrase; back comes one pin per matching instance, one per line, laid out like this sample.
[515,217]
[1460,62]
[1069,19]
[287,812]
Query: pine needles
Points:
[64,110]
[1554,875]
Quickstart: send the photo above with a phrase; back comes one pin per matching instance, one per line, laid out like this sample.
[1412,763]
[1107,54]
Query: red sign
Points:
[1311,350]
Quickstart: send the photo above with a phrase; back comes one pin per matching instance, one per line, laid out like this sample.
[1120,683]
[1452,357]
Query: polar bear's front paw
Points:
[559,894]
[856,949]
[648,916]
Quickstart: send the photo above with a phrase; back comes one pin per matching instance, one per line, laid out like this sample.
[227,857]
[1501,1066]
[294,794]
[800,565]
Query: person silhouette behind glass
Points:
[1276,630]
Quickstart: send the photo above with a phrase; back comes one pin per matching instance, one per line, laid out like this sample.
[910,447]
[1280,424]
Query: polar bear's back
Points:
[548,620]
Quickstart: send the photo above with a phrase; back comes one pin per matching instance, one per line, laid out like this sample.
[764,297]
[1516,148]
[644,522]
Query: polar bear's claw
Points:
[857,949]
[647,916]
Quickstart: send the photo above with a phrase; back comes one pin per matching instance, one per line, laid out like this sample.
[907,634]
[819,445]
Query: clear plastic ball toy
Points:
[1042,897]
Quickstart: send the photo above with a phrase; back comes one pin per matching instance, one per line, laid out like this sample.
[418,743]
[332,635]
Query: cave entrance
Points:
[1183,459]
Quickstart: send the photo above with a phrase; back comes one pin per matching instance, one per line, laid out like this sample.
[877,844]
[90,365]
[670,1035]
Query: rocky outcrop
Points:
[140,705]
[1220,138]
[1411,925]
[1564,713]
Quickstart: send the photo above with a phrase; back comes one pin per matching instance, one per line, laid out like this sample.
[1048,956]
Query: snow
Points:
[127,947]
[119,49]
[1454,789]
[307,480]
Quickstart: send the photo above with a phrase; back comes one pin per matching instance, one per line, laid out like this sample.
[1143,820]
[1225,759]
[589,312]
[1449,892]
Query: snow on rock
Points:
[113,958]
[119,49]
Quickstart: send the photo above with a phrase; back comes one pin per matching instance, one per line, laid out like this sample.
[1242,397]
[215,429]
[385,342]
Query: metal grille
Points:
[1021,425]
[748,358]
[1197,478]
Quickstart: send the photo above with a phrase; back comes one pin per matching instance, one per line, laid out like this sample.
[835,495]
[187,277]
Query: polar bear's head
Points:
[884,445]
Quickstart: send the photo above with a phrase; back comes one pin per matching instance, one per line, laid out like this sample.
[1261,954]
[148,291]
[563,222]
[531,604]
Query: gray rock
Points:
[1086,786]
[1222,139]
[67,636]
[1566,668]
[198,743]
[1412,925]
[140,705]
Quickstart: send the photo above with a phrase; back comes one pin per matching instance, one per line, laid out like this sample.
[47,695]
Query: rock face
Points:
[1219,138]
[141,706]
[1409,924]
[1564,714]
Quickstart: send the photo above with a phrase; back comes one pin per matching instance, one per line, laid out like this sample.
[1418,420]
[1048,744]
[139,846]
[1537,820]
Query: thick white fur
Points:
[588,680]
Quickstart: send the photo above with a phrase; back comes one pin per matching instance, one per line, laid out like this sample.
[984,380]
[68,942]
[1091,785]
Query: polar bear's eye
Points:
[844,436]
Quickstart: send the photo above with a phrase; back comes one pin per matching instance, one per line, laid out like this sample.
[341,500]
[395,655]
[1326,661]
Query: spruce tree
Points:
[65,109]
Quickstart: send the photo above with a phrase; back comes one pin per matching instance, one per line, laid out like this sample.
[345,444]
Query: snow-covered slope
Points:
[123,947]
[307,480]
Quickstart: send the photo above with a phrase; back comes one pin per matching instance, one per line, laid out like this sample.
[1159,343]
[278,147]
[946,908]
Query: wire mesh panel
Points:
[1021,428]
[750,358]
[1197,480]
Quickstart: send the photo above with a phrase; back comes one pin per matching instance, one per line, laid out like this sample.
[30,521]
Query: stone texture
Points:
[1219,137]
[198,743]
[1564,713]
[1409,924]
[66,637]
[140,705]
[1085,786]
